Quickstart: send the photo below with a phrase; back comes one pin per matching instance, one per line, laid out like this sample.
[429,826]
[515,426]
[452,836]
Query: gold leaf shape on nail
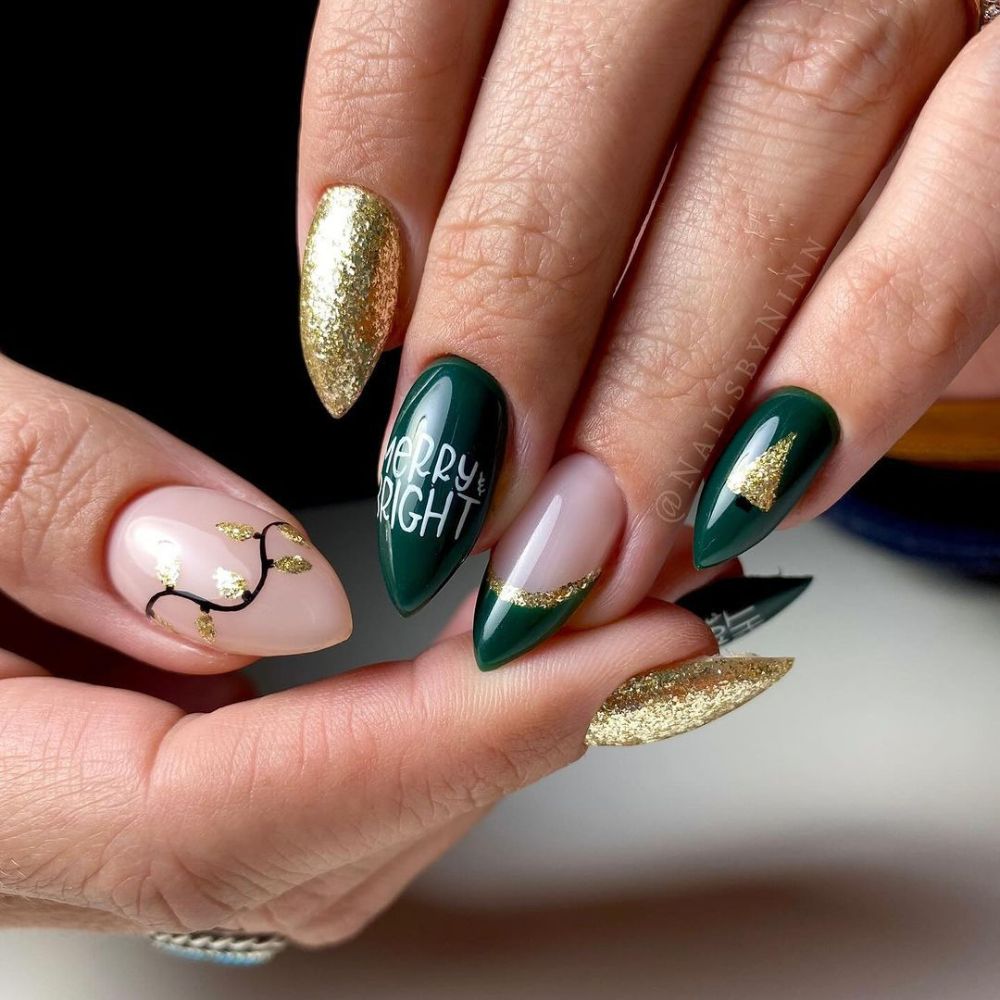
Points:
[539,598]
[347,301]
[668,702]
[292,564]
[758,482]
[168,562]
[229,583]
[162,622]
[205,624]
[236,531]
[292,534]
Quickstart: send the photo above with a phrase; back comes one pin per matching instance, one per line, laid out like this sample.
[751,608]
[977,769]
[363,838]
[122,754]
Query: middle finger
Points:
[555,175]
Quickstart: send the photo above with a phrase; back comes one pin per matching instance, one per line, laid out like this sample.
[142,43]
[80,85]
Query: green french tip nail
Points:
[437,479]
[510,621]
[762,473]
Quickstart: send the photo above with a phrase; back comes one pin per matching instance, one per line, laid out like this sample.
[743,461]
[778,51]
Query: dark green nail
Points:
[438,475]
[762,472]
[734,607]
[509,622]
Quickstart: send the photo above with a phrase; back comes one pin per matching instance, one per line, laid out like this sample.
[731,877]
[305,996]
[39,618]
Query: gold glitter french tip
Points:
[350,284]
[676,699]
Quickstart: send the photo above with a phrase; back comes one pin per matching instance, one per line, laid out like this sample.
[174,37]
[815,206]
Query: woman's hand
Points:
[303,812]
[519,146]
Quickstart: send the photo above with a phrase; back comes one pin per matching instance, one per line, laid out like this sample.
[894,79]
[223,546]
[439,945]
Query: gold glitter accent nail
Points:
[168,563]
[229,583]
[292,564]
[674,700]
[758,482]
[236,531]
[539,598]
[350,282]
[205,624]
[292,534]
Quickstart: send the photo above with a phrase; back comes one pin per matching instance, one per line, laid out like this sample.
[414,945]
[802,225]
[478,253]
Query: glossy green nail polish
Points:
[438,474]
[734,607]
[763,471]
[511,621]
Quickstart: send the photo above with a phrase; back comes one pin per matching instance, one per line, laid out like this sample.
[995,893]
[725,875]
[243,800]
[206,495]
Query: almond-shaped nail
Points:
[350,283]
[546,563]
[677,699]
[226,574]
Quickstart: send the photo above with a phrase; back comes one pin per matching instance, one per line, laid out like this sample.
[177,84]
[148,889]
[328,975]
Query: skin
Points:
[335,794]
[521,146]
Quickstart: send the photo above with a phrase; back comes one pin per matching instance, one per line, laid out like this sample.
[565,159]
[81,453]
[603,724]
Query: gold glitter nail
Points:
[292,564]
[236,531]
[292,534]
[205,624]
[539,598]
[758,482]
[674,700]
[350,282]
[229,583]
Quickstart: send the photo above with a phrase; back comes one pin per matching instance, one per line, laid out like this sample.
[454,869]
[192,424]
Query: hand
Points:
[519,147]
[303,812]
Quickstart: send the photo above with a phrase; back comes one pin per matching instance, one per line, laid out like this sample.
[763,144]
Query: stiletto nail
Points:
[437,479]
[735,606]
[350,282]
[226,574]
[668,702]
[548,560]
[762,473]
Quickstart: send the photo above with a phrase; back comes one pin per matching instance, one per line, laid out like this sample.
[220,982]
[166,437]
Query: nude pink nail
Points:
[226,574]
[548,560]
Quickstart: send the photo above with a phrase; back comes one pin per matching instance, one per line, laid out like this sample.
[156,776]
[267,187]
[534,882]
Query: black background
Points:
[151,222]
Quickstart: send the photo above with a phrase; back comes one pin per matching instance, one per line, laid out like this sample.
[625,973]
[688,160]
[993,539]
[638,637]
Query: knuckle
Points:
[881,290]
[506,245]
[842,57]
[46,476]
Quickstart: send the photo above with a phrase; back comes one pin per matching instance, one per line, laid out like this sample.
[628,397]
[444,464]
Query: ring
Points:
[224,947]
[984,11]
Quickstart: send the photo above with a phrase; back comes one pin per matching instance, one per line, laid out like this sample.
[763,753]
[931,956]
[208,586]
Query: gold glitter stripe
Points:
[539,598]
[674,700]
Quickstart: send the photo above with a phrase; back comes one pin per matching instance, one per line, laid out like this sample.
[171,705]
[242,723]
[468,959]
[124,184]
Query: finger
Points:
[112,528]
[560,161]
[397,750]
[68,654]
[891,323]
[329,911]
[387,93]
[679,576]
[12,665]
[802,105]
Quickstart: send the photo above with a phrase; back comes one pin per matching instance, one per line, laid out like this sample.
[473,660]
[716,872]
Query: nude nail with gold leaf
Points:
[350,284]
[679,698]
[224,573]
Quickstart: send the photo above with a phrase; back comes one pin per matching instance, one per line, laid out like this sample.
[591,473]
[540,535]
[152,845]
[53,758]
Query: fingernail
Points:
[668,702]
[734,607]
[225,574]
[548,560]
[350,282]
[762,472]
[438,474]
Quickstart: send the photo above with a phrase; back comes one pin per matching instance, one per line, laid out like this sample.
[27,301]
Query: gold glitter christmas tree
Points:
[758,482]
